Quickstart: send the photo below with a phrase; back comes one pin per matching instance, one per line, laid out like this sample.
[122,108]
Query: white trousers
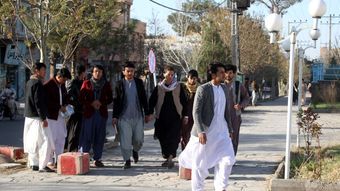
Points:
[38,142]
[59,132]
[254,96]
[222,172]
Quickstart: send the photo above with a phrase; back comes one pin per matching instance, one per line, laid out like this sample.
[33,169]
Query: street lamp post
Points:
[317,9]
[290,102]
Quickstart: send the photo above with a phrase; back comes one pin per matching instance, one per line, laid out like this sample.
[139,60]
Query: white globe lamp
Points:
[273,23]
[315,35]
[317,8]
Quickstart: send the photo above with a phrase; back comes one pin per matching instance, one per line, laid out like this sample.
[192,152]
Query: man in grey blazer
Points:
[210,144]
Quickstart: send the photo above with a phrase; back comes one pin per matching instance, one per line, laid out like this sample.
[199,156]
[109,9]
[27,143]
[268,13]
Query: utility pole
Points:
[235,36]
[330,24]
[236,8]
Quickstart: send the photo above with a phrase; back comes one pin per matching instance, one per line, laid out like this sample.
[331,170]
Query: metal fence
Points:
[332,73]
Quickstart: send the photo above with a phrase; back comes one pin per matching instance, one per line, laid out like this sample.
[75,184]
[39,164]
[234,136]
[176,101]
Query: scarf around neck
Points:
[191,88]
[170,87]
[97,86]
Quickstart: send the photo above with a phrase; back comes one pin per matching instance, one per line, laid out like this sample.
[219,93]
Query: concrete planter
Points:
[302,185]
[278,184]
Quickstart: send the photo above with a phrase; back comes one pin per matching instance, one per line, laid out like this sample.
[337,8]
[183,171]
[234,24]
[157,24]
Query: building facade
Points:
[12,53]
[131,49]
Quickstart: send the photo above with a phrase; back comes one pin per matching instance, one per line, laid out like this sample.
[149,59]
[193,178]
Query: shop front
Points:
[15,69]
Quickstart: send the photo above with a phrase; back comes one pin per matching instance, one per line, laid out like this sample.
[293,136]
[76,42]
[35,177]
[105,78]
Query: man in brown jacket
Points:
[240,100]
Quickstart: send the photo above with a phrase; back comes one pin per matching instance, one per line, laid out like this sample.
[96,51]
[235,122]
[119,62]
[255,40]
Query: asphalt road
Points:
[11,132]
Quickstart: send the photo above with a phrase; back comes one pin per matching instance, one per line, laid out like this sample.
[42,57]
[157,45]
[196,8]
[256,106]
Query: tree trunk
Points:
[52,59]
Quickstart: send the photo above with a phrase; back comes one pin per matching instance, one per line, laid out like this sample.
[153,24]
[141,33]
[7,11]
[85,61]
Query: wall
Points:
[326,92]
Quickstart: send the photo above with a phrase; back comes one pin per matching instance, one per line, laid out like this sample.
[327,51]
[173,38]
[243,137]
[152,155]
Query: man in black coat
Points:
[130,107]
[38,141]
[74,123]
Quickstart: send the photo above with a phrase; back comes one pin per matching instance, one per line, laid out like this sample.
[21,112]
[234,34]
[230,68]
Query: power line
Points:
[182,11]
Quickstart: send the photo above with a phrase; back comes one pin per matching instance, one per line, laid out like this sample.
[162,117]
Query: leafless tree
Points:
[278,6]
[181,50]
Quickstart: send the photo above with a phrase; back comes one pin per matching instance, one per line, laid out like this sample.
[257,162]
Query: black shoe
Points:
[127,164]
[165,164]
[46,169]
[98,163]
[171,164]
[34,168]
[135,156]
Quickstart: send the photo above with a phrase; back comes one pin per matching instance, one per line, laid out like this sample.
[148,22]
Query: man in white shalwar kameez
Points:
[210,144]
[37,138]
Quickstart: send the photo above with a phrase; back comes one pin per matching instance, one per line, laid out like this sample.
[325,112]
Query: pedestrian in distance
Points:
[254,93]
[8,95]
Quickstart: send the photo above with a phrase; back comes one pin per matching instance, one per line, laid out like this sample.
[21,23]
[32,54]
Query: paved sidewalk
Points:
[262,146]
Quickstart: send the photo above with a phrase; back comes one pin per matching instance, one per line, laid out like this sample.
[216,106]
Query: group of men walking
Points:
[47,132]
[205,120]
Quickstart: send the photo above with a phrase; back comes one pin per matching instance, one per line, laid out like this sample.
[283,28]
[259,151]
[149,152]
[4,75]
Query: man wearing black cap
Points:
[56,104]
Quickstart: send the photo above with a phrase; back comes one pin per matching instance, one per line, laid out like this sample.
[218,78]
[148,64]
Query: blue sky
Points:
[142,10]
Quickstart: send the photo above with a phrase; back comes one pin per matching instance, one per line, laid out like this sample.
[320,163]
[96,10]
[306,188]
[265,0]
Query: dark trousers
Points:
[93,134]
[236,134]
[169,136]
[186,132]
[73,132]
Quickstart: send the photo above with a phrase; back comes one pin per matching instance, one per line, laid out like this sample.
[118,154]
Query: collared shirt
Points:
[131,104]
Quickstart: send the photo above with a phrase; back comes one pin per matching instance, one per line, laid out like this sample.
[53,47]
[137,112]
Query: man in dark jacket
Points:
[190,88]
[129,108]
[74,123]
[38,141]
[56,104]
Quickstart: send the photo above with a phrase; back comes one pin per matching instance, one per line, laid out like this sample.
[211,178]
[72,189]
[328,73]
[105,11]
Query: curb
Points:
[6,166]
[14,153]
